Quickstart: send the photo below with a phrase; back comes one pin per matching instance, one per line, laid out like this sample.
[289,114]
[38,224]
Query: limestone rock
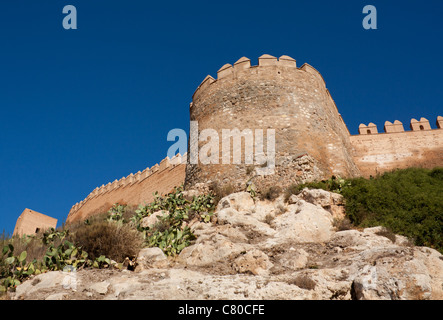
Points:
[265,211]
[254,261]
[241,201]
[39,283]
[303,223]
[264,251]
[211,249]
[330,201]
[100,287]
[152,219]
[294,259]
[233,217]
[150,258]
[57,296]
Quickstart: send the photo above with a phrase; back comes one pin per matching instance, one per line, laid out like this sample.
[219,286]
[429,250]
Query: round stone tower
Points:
[311,140]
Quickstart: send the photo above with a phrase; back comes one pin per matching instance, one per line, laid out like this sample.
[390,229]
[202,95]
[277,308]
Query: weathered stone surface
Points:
[151,258]
[254,261]
[57,296]
[152,219]
[277,92]
[304,222]
[100,287]
[241,201]
[210,249]
[330,201]
[234,217]
[39,283]
[298,255]
[294,259]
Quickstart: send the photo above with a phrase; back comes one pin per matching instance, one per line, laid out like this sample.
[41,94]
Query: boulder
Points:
[40,282]
[152,219]
[265,211]
[253,261]
[240,201]
[211,249]
[235,218]
[100,287]
[303,223]
[151,258]
[333,202]
[294,259]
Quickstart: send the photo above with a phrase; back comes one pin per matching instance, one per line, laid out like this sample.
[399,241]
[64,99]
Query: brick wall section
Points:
[30,220]
[132,190]
[378,153]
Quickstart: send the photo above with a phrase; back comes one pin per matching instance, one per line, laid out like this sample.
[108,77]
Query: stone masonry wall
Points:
[31,221]
[134,189]
[312,141]
[376,153]
[273,95]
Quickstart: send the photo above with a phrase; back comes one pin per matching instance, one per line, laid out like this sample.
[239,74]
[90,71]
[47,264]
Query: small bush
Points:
[304,282]
[387,234]
[343,224]
[271,193]
[292,189]
[113,240]
[250,169]
[269,218]
[220,192]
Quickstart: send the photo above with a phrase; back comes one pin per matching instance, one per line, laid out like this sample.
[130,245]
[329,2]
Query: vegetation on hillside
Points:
[106,240]
[408,202]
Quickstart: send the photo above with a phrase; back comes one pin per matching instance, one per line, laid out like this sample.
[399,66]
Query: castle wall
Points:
[134,189]
[31,221]
[278,95]
[312,141]
[398,149]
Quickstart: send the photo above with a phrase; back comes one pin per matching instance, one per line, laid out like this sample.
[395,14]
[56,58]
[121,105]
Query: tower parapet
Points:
[275,94]
[396,148]
[397,126]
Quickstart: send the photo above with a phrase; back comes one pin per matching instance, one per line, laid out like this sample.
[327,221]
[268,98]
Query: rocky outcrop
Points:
[265,250]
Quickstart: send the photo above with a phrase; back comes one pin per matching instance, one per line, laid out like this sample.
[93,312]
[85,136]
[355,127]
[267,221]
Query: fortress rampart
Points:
[396,148]
[312,140]
[133,190]
[31,222]
[275,94]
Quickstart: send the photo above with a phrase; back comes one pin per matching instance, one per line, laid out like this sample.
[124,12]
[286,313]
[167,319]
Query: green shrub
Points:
[171,233]
[408,202]
[17,265]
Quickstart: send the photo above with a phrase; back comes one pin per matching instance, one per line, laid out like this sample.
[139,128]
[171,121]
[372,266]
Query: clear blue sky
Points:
[80,108]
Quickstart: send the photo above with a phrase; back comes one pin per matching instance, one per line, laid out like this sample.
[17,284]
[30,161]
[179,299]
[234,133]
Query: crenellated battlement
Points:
[284,64]
[397,126]
[132,180]
[296,104]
